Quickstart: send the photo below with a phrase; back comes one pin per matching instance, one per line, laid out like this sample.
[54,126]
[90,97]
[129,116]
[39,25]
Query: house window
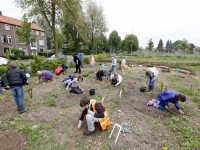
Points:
[33,44]
[7,26]
[37,32]
[32,31]
[41,42]
[5,49]
[42,33]
[6,39]
[41,50]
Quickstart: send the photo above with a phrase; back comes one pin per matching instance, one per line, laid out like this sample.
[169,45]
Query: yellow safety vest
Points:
[104,122]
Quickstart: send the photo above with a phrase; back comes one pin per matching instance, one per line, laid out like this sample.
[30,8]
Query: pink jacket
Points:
[92,61]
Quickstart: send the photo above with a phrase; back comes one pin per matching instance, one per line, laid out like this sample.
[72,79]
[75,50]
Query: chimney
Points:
[0,13]
[34,22]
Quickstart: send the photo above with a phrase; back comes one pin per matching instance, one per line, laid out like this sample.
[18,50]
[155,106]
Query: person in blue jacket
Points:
[68,79]
[80,56]
[165,97]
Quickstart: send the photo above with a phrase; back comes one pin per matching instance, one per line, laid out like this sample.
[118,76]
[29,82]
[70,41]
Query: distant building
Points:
[9,38]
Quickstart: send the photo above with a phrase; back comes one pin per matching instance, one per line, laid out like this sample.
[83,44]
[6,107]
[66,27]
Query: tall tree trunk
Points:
[29,51]
[54,29]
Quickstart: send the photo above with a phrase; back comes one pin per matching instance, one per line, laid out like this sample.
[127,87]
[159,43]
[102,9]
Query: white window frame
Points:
[7,27]
[9,48]
[8,38]
[41,42]
[34,45]
[42,33]
[37,33]
[32,31]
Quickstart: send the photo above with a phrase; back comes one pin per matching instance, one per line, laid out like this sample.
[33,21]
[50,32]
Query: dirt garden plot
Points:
[51,122]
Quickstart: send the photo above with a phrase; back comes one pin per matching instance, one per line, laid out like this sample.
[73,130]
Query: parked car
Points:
[53,57]
[3,61]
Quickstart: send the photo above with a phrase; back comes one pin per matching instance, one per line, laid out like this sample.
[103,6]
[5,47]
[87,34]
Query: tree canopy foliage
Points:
[150,45]
[160,46]
[130,40]
[24,33]
[55,12]
[114,40]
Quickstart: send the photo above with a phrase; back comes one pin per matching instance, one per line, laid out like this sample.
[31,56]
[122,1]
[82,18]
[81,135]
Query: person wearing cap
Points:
[45,75]
[116,79]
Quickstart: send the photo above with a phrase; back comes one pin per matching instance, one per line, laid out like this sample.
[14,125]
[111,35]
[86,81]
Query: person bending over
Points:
[45,75]
[165,97]
[151,75]
[93,112]
[75,85]
[68,79]
[116,79]
[100,74]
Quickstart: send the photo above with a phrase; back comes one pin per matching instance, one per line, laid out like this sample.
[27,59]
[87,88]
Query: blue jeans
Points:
[114,68]
[18,94]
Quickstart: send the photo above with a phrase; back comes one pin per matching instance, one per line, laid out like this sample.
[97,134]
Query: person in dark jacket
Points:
[3,86]
[100,74]
[78,63]
[16,79]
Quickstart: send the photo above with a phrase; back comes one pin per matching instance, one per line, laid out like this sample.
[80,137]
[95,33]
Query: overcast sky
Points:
[156,19]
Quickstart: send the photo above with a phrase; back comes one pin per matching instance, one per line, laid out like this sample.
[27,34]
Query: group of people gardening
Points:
[94,112]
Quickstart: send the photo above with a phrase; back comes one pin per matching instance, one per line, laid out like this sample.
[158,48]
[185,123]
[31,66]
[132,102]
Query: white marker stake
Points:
[120,129]
[102,100]
[120,94]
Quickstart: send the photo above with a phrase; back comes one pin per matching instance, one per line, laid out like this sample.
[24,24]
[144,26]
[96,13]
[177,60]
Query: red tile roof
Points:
[17,22]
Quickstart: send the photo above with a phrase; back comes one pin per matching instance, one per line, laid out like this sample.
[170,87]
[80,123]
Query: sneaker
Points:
[150,103]
[87,133]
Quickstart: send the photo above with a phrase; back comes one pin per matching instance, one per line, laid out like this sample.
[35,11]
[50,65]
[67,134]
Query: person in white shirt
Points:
[116,79]
[123,65]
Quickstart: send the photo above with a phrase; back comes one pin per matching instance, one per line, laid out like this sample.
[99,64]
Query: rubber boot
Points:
[151,89]
[22,109]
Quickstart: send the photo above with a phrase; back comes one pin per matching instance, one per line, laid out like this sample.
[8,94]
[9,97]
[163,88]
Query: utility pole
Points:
[131,42]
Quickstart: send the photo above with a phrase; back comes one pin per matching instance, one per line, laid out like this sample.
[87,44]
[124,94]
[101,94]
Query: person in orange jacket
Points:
[60,69]
[93,112]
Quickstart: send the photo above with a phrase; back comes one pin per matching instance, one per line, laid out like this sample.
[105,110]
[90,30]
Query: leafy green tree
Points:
[24,33]
[184,45]
[102,44]
[114,40]
[128,41]
[55,12]
[49,35]
[160,46]
[70,31]
[95,21]
[17,51]
[176,43]
[150,46]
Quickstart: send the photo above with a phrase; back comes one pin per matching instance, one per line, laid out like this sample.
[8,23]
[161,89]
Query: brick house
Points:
[9,38]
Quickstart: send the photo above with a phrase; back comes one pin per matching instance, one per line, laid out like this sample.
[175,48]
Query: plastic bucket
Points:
[92,91]
[142,89]
[177,69]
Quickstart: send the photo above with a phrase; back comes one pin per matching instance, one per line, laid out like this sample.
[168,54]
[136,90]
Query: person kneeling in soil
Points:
[3,86]
[68,79]
[60,69]
[76,85]
[45,75]
[165,97]
[93,112]
[100,74]
[116,79]
[151,75]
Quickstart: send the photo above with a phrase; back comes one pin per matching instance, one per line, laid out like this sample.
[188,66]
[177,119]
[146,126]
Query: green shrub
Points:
[23,57]
[86,60]
[3,71]
[102,56]
[49,54]
[17,52]
[41,63]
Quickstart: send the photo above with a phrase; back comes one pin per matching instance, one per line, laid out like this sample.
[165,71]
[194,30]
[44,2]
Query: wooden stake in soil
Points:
[30,92]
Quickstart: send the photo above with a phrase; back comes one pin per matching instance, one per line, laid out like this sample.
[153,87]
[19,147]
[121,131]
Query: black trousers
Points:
[78,68]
